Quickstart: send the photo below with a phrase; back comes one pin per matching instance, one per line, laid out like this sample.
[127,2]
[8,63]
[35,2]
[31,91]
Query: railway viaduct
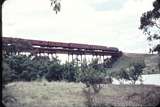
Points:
[34,47]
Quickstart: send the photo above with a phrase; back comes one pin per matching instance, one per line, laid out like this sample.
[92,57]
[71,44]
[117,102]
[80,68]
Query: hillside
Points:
[63,94]
[151,62]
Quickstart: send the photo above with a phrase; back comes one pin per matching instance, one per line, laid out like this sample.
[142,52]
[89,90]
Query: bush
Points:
[121,75]
[8,75]
[132,73]
[55,72]
[71,71]
[28,68]
[135,71]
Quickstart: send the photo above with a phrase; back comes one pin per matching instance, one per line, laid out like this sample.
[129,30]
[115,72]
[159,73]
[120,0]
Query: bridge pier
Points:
[103,58]
[68,58]
[85,57]
[100,59]
[77,59]
[72,57]
[81,58]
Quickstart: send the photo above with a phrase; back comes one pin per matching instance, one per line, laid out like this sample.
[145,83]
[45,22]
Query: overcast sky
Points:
[102,22]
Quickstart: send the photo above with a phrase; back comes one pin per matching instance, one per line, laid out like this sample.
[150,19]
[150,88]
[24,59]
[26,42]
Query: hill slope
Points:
[151,61]
[63,94]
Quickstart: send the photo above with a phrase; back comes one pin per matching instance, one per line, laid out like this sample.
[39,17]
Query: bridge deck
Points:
[27,45]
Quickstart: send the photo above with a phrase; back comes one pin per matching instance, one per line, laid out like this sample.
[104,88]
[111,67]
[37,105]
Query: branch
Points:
[149,38]
[157,26]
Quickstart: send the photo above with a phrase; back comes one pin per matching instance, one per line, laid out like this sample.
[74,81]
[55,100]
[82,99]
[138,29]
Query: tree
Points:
[135,71]
[93,75]
[56,5]
[7,73]
[132,73]
[55,72]
[150,24]
[121,75]
[40,65]
[71,71]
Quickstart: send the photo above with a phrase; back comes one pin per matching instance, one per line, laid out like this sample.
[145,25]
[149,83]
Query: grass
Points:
[64,94]
[47,94]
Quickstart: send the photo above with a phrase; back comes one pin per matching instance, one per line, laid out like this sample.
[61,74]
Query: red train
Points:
[9,40]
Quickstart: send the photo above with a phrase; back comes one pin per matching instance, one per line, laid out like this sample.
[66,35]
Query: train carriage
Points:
[78,46]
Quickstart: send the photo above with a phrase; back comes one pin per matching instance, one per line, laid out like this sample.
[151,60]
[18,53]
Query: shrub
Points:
[71,70]
[8,75]
[135,71]
[132,73]
[55,72]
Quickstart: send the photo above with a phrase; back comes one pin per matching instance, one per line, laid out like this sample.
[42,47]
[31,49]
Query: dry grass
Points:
[47,94]
[63,94]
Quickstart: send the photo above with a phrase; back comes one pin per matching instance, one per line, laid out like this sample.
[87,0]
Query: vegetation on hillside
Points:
[29,68]
[127,59]
[69,94]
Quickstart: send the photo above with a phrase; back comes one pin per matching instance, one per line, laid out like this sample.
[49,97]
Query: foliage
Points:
[56,5]
[7,74]
[23,68]
[132,73]
[55,72]
[121,75]
[17,64]
[71,70]
[135,71]
[150,24]
[92,73]
[27,68]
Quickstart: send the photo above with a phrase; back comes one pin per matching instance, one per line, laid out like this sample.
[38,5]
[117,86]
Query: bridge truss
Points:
[34,47]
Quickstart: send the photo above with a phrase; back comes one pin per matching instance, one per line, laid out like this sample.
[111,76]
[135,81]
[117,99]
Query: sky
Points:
[100,22]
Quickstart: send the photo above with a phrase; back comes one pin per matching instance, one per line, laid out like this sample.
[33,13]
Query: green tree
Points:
[132,73]
[149,23]
[28,72]
[8,75]
[56,5]
[93,74]
[135,71]
[39,65]
[71,70]
[55,72]
[121,75]
[16,63]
